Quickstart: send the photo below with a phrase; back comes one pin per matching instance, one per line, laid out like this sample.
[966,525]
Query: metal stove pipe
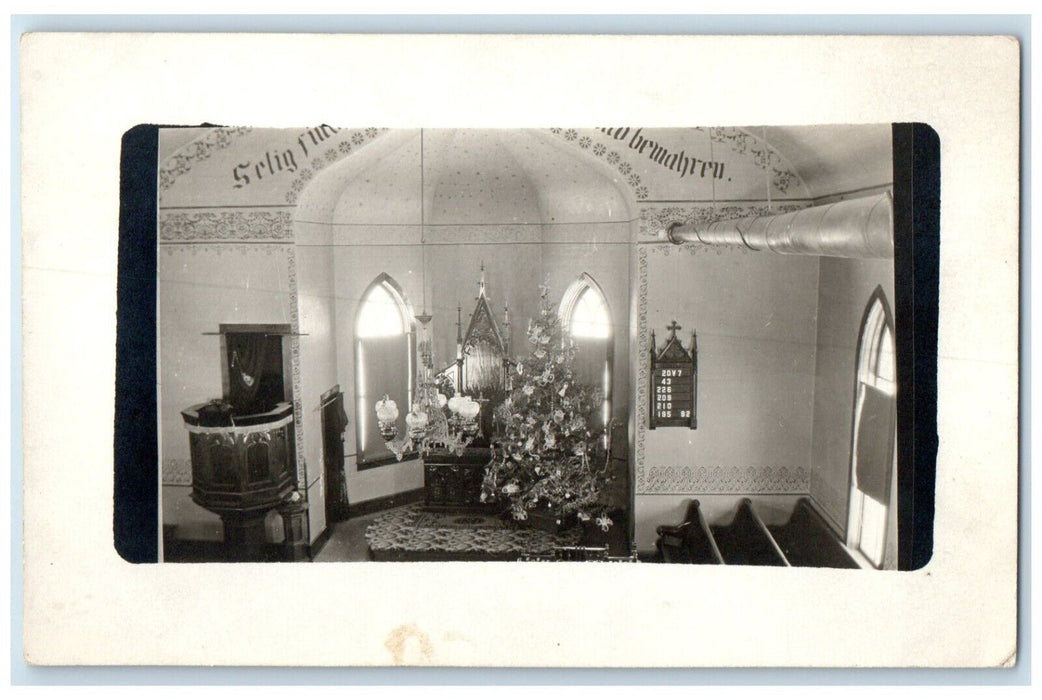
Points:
[852,228]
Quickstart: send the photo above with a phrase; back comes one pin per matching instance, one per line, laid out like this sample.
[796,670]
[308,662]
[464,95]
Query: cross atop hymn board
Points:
[674,379]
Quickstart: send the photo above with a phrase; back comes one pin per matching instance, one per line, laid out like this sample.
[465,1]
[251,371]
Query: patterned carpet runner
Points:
[411,534]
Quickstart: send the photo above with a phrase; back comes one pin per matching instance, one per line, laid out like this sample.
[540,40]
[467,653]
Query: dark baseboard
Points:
[385,502]
[315,547]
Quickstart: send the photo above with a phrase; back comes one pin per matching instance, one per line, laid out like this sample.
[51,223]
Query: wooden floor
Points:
[347,540]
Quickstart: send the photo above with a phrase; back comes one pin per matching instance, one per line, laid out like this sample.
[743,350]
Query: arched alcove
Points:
[470,177]
[530,207]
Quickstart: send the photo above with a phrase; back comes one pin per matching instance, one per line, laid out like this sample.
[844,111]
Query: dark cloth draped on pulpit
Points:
[874,443]
[255,372]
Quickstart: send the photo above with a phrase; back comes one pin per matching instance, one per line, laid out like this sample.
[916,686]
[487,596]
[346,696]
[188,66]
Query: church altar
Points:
[453,482]
[453,477]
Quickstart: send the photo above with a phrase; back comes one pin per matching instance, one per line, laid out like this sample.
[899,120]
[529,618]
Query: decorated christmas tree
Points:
[548,458]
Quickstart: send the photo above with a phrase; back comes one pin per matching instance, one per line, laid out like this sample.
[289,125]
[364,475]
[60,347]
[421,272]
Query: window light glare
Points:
[885,369]
[380,315]
[590,317]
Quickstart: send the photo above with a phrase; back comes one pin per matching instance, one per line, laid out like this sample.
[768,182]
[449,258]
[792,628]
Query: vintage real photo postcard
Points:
[484,385]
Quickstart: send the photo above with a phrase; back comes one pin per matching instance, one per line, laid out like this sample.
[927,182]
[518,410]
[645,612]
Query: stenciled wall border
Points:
[738,141]
[611,156]
[294,354]
[346,141]
[718,479]
[212,224]
[654,220]
[642,367]
[198,150]
[177,471]
[224,248]
[741,142]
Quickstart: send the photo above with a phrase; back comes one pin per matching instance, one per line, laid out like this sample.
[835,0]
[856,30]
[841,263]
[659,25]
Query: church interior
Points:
[641,345]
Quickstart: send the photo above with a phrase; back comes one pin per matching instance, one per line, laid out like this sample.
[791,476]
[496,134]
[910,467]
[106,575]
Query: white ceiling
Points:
[469,177]
[833,159]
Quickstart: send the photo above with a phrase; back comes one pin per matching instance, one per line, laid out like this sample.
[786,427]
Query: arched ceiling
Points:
[469,177]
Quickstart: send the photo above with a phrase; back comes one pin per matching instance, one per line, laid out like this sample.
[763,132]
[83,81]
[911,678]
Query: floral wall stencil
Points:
[225,225]
[741,142]
[350,140]
[250,168]
[642,367]
[181,162]
[654,220]
[719,479]
[638,167]
[294,354]
[220,250]
[611,156]
[177,471]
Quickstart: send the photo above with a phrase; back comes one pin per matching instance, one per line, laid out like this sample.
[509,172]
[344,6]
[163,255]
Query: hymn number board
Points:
[674,379]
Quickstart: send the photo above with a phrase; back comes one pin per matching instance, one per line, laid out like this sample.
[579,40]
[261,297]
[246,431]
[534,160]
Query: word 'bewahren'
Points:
[284,160]
[677,162]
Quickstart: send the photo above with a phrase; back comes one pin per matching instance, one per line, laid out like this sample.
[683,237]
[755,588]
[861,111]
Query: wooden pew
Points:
[747,541]
[807,540]
[690,542]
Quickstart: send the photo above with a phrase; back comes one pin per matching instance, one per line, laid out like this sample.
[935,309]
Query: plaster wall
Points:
[843,293]
[755,316]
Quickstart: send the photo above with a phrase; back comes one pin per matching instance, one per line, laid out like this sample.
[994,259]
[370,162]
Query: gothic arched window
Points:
[383,363]
[585,314]
[872,454]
